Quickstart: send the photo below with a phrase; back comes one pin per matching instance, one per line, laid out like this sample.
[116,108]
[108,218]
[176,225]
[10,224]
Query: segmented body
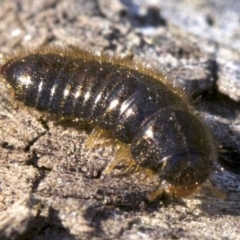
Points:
[132,103]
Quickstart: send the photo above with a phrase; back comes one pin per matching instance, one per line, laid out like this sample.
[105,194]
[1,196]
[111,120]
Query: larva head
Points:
[184,172]
[176,146]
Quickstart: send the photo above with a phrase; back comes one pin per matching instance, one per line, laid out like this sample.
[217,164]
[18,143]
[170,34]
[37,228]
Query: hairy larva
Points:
[136,105]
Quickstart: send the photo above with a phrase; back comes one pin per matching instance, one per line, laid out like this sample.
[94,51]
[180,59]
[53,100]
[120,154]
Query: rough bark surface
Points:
[51,185]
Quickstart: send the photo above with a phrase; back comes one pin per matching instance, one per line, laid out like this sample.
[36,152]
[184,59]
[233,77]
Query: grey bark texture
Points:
[50,183]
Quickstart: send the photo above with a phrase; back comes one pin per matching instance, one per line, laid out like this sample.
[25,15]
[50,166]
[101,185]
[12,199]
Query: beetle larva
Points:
[134,104]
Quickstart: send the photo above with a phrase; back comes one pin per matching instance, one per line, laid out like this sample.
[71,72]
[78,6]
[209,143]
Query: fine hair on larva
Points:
[136,105]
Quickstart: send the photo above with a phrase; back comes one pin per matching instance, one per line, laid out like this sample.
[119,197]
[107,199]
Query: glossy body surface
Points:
[134,104]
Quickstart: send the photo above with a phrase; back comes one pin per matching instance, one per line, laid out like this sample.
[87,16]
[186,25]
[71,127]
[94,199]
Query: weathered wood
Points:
[50,179]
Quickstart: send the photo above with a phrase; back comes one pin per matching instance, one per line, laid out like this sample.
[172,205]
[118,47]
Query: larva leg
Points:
[124,159]
[215,190]
[154,195]
[2,59]
[172,191]
[180,191]
[95,136]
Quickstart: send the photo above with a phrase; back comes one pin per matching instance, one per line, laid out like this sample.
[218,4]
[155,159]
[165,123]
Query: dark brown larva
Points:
[133,103]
